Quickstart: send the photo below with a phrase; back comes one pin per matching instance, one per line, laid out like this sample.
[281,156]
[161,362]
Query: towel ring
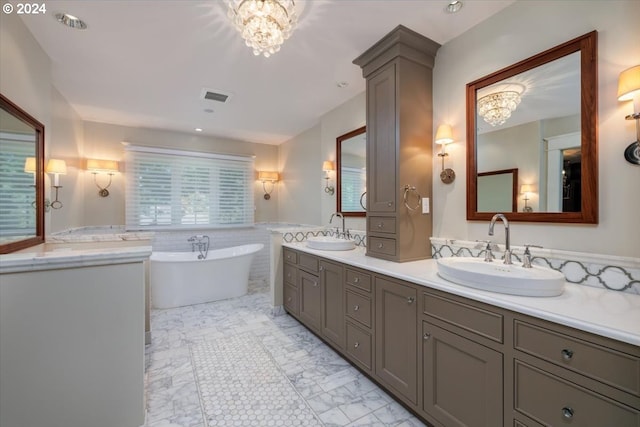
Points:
[362,204]
[407,189]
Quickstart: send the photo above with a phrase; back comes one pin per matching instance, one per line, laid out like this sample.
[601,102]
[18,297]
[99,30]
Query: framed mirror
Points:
[351,172]
[538,116]
[21,178]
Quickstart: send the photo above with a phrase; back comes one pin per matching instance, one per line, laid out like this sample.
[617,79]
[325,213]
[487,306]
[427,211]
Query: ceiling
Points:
[146,63]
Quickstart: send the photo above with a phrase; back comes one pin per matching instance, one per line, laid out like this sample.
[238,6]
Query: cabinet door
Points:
[309,288]
[381,141]
[396,337]
[331,279]
[462,380]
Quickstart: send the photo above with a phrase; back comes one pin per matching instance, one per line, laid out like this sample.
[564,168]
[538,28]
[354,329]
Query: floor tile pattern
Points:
[180,392]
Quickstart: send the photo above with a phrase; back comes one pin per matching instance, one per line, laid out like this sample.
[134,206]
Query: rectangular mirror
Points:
[351,176]
[538,116]
[21,178]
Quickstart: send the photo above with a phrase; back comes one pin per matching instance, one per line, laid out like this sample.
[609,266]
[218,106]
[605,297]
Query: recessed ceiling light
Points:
[198,130]
[71,21]
[342,84]
[453,6]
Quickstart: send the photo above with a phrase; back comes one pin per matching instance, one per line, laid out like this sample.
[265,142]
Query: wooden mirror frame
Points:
[339,140]
[38,127]
[587,46]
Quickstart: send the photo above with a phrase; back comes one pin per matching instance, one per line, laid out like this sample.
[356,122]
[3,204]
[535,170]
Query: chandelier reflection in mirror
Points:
[497,107]
[263,24]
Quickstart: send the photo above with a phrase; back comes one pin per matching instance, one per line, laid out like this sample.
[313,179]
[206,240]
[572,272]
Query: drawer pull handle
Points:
[567,412]
[356,280]
[567,354]
[411,300]
[356,345]
[426,336]
[380,225]
[356,307]
[321,268]
[380,246]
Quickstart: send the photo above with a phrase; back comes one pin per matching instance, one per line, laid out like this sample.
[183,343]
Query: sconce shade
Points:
[57,166]
[327,165]
[526,188]
[629,84]
[30,165]
[444,135]
[109,166]
[268,176]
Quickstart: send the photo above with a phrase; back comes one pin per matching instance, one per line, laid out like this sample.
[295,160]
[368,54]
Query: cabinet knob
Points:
[567,354]
[356,280]
[380,225]
[567,412]
[321,268]
[426,336]
[315,284]
[289,299]
[380,246]
[289,275]
[356,345]
[356,307]
[389,204]
[288,256]
[411,300]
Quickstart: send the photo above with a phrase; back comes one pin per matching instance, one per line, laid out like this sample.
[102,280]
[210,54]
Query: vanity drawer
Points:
[308,262]
[382,224]
[358,279]
[359,308]
[290,256]
[290,272]
[382,246]
[604,364]
[553,401]
[291,299]
[473,319]
[359,345]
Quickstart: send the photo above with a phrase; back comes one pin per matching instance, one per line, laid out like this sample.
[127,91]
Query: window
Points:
[352,186]
[17,189]
[181,189]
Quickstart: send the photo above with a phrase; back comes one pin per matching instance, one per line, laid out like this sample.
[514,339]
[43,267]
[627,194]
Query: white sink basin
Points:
[497,277]
[326,243]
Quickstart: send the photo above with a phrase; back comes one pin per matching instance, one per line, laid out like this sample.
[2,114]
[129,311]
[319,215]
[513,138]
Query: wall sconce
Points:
[629,89]
[444,136]
[57,168]
[95,166]
[265,177]
[526,189]
[327,167]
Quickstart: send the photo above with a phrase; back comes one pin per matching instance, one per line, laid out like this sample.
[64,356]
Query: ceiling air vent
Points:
[215,95]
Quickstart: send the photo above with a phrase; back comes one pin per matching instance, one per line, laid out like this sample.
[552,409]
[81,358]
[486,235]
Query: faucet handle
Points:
[488,255]
[526,258]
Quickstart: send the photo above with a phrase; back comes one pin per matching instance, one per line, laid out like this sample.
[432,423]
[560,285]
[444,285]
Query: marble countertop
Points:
[603,312]
[55,256]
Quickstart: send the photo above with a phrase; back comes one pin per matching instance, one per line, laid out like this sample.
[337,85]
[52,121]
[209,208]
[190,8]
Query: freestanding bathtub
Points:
[180,278]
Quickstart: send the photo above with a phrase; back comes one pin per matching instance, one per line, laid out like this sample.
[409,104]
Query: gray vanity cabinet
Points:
[310,290]
[332,304]
[398,70]
[396,349]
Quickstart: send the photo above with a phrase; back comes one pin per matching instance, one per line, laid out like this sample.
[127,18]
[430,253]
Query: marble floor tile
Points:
[315,386]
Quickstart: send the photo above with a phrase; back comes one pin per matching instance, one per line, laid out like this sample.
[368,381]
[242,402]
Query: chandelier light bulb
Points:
[263,24]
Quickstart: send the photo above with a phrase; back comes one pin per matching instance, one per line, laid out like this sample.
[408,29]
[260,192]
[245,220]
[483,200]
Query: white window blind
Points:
[182,189]
[352,186]
[17,192]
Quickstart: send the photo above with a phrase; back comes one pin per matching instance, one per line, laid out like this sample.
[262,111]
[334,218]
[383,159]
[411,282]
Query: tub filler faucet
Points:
[202,243]
[507,244]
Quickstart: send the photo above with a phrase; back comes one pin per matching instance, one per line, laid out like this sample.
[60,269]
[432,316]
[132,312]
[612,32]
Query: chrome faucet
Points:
[507,244]
[344,233]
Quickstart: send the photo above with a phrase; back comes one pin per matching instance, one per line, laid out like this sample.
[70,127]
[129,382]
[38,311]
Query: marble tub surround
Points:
[106,233]
[183,389]
[599,311]
[601,271]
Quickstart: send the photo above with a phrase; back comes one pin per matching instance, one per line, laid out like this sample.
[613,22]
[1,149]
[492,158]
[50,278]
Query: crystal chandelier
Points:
[263,24]
[497,107]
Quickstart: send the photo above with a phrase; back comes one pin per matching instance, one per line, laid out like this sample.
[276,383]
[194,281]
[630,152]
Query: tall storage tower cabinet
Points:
[398,70]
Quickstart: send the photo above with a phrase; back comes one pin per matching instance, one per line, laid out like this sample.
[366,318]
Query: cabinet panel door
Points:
[332,280]
[309,288]
[462,380]
[381,141]
[396,337]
